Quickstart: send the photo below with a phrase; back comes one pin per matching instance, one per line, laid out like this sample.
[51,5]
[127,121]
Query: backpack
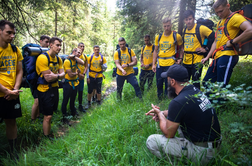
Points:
[41,80]
[207,43]
[119,57]
[245,47]
[153,47]
[118,47]
[30,53]
[176,46]
[100,72]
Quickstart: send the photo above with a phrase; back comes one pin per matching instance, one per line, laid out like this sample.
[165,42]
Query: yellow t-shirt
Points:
[8,67]
[147,56]
[191,43]
[167,48]
[125,59]
[82,67]
[233,28]
[67,66]
[42,65]
[95,66]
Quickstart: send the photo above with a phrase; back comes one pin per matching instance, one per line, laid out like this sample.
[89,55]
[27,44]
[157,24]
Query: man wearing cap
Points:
[190,113]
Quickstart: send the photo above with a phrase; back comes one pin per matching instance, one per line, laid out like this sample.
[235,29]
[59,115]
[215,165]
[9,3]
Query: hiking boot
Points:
[66,121]
[81,109]
[98,102]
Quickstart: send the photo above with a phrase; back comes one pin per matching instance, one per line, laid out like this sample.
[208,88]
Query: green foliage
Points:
[115,133]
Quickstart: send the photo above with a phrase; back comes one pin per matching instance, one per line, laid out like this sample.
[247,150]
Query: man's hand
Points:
[81,76]
[12,94]
[100,61]
[142,65]
[88,80]
[124,65]
[71,56]
[50,77]
[200,50]
[124,72]
[154,68]
[178,61]
[204,60]
[154,112]
[228,44]
[146,66]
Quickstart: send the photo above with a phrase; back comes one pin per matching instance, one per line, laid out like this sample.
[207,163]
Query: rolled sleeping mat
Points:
[34,51]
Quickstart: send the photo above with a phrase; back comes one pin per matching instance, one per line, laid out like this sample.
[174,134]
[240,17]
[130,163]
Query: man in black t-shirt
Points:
[191,114]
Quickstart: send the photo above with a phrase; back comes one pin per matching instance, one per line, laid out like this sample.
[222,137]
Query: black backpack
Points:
[119,56]
[175,42]
[244,48]
[207,43]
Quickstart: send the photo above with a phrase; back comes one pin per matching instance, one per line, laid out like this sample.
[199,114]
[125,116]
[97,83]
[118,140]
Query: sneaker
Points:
[87,106]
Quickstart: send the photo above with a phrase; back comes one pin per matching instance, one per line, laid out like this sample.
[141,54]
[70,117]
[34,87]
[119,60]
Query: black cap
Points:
[177,72]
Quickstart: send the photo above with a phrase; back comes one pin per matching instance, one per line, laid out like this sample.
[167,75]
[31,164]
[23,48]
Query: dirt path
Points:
[63,129]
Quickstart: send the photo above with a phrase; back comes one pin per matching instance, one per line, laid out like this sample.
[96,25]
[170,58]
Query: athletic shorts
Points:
[10,109]
[48,101]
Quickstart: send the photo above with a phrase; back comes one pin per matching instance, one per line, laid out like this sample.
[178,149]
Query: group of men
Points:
[189,114]
[50,69]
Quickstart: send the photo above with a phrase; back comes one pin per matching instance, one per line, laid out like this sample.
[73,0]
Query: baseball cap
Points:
[177,72]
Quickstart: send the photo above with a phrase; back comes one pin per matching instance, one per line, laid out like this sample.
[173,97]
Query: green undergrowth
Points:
[115,133]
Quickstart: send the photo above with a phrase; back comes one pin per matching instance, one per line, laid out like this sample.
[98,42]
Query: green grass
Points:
[115,133]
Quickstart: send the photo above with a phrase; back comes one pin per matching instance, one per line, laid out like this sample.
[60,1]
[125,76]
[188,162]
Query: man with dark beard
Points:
[191,114]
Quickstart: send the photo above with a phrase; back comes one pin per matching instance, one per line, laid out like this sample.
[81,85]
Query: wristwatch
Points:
[127,64]
[231,42]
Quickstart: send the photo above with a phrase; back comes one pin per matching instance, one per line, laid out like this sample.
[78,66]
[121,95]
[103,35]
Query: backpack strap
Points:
[175,42]
[129,50]
[143,49]
[14,48]
[225,25]
[153,48]
[183,35]
[197,31]
[100,72]
[175,37]
[119,54]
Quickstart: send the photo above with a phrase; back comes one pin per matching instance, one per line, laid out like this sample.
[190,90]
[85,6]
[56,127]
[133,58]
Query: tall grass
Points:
[115,134]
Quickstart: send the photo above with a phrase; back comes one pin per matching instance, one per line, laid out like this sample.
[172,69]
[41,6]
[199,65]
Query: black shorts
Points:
[48,101]
[10,109]
[95,83]
[33,88]
[34,93]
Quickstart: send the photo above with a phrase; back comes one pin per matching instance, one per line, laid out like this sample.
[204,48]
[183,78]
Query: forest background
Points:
[94,23]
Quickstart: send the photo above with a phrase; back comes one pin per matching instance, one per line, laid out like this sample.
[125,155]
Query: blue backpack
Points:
[29,67]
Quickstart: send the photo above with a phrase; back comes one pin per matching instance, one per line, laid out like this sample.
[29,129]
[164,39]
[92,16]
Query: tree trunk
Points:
[56,14]
[182,8]
[191,5]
